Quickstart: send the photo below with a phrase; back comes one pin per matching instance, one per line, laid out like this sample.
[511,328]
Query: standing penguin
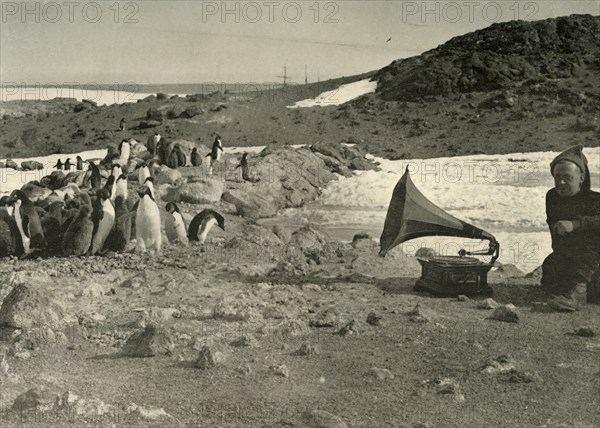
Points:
[11,243]
[67,165]
[122,124]
[78,236]
[121,233]
[79,163]
[202,223]
[116,170]
[213,160]
[175,225]
[196,158]
[246,170]
[147,223]
[173,160]
[152,143]
[143,173]
[124,152]
[110,184]
[52,227]
[161,151]
[105,224]
[150,184]
[96,178]
[181,157]
[217,149]
[28,222]
[120,188]
[59,165]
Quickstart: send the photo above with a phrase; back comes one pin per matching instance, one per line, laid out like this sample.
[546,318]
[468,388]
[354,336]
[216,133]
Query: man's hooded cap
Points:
[574,154]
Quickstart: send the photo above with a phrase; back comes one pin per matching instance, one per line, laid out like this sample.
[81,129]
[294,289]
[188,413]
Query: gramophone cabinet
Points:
[451,276]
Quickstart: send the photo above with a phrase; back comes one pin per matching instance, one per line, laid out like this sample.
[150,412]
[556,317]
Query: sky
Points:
[173,41]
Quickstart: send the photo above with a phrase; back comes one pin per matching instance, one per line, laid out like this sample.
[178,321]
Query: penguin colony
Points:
[98,216]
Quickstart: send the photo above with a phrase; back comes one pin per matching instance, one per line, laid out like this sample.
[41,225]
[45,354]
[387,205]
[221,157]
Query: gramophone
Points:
[411,215]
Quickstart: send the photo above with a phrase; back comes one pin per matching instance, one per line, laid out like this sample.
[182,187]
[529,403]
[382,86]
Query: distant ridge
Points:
[501,56]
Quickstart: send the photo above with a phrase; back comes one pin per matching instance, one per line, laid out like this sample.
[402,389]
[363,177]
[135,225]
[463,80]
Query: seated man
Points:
[573,215]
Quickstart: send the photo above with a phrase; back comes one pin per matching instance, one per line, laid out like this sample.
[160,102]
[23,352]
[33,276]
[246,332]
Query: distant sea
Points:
[104,94]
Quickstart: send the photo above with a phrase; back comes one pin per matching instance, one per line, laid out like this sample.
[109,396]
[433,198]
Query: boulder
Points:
[31,166]
[38,398]
[148,343]
[335,165]
[145,124]
[209,358]
[206,191]
[139,151]
[251,204]
[165,175]
[28,307]
[190,112]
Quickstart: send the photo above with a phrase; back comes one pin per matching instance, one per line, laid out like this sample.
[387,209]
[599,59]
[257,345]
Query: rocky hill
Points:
[511,87]
[501,56]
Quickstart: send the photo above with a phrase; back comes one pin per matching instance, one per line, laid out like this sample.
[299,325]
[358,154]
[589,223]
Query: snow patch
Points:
[338,96]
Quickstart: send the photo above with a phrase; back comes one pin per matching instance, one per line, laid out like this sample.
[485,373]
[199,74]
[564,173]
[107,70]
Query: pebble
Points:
[374,319]
[381,374]
[281,370]
[506,313]
[488,303]
[307,349]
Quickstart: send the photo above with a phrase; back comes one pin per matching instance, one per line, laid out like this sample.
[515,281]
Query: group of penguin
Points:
[97,220]
[175,157]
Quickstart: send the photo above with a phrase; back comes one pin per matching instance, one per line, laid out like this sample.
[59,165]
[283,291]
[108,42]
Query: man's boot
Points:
[572,301]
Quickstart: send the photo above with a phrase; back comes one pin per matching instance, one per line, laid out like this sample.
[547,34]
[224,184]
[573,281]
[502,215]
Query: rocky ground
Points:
[226,335]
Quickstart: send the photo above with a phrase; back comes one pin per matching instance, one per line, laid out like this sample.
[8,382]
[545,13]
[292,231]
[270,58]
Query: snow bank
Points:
[503,194]
[340,95]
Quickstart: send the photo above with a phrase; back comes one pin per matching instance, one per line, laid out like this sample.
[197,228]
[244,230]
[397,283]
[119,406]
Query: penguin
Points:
[181,157]
[173,160]
[59,165]
[196,158]
[121,233]
[152,143]
[149,182]
[110,184]
[52,227]
[217,149]
[83,198]
[175,225]
[11,243]
[67,165]
[105,224]
[7,203]
[124,152]
[120,188]
[246,170]
[147,223]
[79,163]
[116,170]
[96,178]
[122,124]
[213,160]
[162,152]
[143,173]
[202,223]
[78,236]
[28,222]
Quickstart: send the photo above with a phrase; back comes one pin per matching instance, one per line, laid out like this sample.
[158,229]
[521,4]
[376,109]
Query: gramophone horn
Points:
[411,215]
